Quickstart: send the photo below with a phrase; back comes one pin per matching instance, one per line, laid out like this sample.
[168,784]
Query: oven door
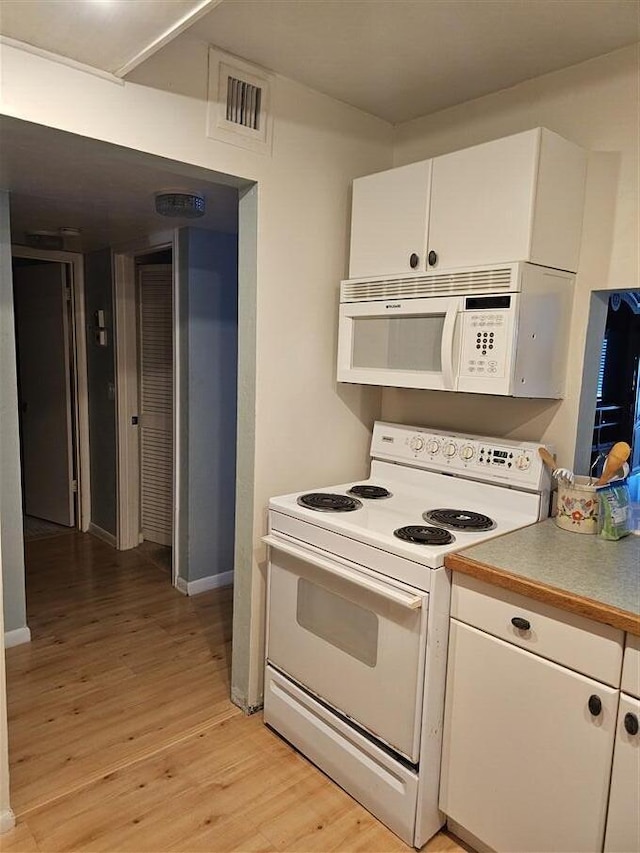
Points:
[352,638]
[406,343]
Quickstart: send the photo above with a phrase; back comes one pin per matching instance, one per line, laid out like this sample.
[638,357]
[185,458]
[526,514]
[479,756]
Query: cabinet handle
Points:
[521,624]
[631,724]
[414,260]
[595,705]
[432,258]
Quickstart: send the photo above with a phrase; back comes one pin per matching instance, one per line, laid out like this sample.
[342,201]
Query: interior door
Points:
[44,377]
[155,336]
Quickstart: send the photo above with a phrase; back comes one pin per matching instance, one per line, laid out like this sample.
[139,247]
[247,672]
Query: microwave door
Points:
[409,343]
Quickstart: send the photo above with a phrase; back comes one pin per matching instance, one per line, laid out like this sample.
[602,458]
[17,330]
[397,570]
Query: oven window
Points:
[398,343]
[339,621]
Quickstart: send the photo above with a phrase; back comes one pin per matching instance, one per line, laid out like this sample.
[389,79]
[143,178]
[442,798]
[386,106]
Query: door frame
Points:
[127,403]
[80,412]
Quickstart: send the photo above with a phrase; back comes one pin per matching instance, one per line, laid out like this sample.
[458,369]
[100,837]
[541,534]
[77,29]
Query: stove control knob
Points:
[417,443]
[449,449]
[467,452]
[433,445]
[523,462]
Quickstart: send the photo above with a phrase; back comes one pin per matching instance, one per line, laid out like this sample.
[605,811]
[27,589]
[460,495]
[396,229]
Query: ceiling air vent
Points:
[238,108]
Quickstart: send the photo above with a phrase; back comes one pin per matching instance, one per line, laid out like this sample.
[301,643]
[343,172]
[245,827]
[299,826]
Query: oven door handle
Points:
[397,596]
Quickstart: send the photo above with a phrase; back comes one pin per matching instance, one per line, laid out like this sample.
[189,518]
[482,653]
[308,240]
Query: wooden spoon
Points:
[618,455]
[547,458]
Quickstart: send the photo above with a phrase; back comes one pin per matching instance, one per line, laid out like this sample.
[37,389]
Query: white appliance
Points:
[358,608]
[488,330]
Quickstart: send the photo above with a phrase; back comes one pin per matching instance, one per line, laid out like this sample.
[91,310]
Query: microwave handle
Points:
[446,350]
[404,599]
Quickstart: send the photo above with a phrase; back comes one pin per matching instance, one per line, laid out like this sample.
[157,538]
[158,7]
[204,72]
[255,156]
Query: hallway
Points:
[122,735]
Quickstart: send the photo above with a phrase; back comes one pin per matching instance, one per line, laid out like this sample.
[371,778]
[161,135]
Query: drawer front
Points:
[382,785]
[631,666]
[573,641]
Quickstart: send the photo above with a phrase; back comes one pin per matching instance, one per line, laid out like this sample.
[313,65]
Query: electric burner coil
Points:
[459,519]
[420,534]
[327,502]
[369,492]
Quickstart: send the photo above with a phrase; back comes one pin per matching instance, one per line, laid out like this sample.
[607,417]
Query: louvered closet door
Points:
[156,401]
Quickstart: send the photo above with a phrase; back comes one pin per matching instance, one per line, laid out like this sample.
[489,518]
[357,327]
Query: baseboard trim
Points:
[7,820]
[99,533]
[17,637]
[204,584]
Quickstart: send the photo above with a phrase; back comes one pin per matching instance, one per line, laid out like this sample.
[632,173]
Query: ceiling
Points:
[396,59]
[110,35]
[400,59]
[105,191]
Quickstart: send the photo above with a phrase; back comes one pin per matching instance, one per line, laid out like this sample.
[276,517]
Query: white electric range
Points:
[358,608]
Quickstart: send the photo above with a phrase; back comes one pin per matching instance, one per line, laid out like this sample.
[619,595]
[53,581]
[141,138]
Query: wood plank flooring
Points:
[122,736]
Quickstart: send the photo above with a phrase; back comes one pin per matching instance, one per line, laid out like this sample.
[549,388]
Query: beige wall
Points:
[307,430]
[596,105]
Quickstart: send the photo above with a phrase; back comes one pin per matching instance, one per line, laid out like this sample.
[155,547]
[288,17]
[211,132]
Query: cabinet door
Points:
[623,821]
[389,221]
[482,202]
[526,764]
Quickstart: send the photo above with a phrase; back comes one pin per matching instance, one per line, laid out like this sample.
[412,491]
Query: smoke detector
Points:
[182,205]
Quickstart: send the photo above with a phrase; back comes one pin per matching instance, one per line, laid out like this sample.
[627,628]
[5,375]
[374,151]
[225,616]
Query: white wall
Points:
[307,430]
[596,105]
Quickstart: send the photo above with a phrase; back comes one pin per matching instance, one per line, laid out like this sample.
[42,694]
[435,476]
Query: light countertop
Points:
[580,573]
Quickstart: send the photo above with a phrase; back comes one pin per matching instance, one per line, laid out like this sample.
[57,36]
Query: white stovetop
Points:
[413,492]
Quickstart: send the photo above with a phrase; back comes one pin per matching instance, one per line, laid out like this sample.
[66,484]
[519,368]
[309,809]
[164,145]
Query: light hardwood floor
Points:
[122,736]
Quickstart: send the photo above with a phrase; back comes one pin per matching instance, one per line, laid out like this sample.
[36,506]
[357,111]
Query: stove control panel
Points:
[497,460]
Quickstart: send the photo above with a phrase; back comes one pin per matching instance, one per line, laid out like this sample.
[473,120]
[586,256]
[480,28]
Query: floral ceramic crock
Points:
[577,506]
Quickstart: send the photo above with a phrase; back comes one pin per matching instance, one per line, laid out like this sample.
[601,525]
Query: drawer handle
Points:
[595,705]
[631,724]
[521,624]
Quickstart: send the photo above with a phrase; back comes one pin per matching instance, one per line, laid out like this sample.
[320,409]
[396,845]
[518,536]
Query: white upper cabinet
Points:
[519,198]
[389,221]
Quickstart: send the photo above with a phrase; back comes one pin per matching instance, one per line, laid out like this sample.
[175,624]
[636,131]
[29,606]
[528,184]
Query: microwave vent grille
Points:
[455,283]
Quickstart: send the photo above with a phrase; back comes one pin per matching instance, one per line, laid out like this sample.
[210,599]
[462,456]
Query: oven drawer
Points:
[566,638]
[353,639]
[383,785]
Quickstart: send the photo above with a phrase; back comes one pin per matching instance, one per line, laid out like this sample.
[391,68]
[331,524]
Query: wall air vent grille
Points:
[243,103]
[455,283]
[238,109]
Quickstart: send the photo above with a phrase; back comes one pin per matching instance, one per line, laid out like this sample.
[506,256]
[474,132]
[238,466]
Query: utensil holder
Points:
[578,506]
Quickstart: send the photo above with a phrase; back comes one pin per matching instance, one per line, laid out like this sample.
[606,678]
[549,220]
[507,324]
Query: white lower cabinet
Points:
[528,742]
[623,822]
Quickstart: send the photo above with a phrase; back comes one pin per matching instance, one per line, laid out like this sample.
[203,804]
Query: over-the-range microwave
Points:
[492,330]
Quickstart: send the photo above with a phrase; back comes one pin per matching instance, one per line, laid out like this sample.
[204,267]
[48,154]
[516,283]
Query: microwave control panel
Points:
[484,344]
